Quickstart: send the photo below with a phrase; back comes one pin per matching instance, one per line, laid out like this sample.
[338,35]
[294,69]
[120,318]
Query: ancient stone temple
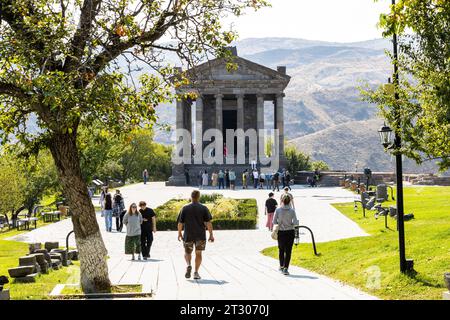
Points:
[224,100]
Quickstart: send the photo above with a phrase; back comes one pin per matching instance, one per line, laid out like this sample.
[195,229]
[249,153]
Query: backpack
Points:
[118,198]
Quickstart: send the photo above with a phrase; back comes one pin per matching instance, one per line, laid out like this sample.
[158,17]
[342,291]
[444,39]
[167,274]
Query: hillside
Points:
[323,108]
[340,146]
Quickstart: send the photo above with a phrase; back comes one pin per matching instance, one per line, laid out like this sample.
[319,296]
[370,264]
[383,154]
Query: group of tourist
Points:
[140,224]
[226,179]
[192,220]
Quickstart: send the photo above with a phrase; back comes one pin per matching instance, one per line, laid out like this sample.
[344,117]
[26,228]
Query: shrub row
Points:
[218,224]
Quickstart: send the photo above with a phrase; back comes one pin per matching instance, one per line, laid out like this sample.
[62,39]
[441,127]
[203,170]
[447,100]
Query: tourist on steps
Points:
[133,220]
[192,220]
[286,219]
[205,179]
[221,177]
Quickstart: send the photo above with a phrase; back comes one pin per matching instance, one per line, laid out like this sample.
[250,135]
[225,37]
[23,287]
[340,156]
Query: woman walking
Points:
[133,221]
[286,219]
[118,208]
[271,206]
[108,210]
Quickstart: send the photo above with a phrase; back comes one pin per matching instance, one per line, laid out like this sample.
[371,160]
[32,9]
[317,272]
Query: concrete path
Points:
[233,267]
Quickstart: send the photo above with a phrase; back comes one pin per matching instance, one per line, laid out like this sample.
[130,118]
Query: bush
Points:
[227,214]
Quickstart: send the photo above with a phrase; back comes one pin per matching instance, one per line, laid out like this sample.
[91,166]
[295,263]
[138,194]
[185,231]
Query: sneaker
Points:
[196,276]
[188,272]
[145,258]
[280,269]
[285,272]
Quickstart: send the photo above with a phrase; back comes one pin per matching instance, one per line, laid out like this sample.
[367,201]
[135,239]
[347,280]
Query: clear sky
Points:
[327,20]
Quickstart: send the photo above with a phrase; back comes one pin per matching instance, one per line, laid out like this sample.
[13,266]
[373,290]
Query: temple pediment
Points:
[216,70]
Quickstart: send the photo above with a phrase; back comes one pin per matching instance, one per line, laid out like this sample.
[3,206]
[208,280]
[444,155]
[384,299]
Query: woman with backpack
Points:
[118,210]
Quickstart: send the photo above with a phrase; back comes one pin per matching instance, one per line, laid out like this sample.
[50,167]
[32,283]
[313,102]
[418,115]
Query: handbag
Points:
[275,232]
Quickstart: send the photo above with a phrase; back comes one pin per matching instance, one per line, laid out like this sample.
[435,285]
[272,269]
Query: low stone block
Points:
[20,272]
[51,245]
[40,258]
[4,295]
[446,295]
[63,253]
[46,254]
[34,246]
[27,279]
[56,264]
[27,260]
[73,255]
[55,256]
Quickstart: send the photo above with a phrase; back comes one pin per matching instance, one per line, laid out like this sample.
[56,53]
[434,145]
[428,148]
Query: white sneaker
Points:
[196,276]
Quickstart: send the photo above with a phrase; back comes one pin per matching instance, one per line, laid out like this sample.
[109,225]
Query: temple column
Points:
[240,111]
[280,123]
[198,130]
[260,121]
[219,113]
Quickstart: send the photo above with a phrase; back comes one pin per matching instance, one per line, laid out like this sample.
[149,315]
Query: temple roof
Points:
[213,77]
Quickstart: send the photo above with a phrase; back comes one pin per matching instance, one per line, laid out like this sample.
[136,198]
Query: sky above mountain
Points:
[325,20]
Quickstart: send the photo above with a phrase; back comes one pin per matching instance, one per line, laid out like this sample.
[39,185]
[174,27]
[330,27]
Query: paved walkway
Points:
[233,267]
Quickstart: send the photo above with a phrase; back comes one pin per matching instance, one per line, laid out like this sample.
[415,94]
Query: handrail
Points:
[67,240]
[312,237]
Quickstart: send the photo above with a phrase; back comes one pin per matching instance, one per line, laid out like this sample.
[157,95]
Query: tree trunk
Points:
[91,248]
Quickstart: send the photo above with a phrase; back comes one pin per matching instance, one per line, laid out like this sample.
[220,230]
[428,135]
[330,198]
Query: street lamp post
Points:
[385,135]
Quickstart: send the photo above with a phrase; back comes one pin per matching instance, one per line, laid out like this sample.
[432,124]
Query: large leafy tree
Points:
[60,63]
[421,115]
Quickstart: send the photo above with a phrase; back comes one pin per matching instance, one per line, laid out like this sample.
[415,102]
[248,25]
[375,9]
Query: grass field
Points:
[10,251]
[372,263]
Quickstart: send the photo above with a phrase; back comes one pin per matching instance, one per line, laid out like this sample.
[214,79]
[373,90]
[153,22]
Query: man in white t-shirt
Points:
[255,178]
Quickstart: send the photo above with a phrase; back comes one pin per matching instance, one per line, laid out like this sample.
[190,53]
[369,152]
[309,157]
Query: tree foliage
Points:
[421,115]
[12,185]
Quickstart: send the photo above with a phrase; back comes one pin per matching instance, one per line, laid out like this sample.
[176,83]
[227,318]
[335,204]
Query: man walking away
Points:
[232,179]
[192,218]
[145,176]
[289,195]
[288,180]
[147,227]
[276,181]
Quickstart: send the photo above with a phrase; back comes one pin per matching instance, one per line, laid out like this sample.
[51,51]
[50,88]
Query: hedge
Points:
[242,213]
[219,224]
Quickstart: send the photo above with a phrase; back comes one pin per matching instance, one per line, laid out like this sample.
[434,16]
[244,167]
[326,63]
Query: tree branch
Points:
[89,11]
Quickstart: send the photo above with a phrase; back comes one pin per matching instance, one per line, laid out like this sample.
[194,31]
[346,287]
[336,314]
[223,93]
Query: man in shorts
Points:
[193,218]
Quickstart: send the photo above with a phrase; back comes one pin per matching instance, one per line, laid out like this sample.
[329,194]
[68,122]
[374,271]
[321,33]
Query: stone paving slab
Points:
[233,267]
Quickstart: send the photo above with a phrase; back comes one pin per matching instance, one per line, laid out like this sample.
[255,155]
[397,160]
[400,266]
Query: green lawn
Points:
[358,261]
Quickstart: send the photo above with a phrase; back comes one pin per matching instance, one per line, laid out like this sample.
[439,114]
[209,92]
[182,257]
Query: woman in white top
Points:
[205,179]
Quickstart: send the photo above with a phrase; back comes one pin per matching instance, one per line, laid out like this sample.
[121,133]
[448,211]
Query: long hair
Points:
[130,209]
